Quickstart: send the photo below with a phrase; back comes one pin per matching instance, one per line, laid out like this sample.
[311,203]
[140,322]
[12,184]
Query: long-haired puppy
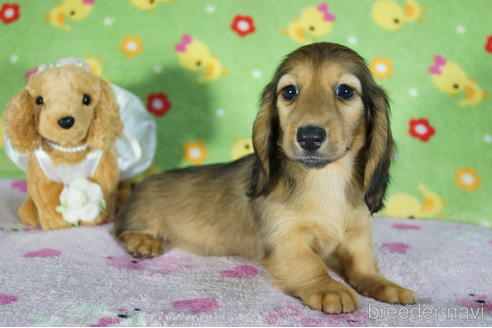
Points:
[323,147]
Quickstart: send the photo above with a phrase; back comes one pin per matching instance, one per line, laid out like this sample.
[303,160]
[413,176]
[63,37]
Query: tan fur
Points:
[295,217]
[29,126]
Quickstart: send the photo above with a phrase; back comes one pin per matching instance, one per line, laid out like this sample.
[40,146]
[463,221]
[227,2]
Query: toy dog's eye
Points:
[198,63]
[344,92]
[290,92]
[86,100]
[39,101]
[72,13]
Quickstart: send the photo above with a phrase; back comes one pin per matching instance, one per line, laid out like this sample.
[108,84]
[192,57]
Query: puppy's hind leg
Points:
[139,231]
[140,244]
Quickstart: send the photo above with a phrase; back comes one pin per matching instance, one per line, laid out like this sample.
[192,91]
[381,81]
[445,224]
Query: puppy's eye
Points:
[39,101]
[86,99]
[290,92]
[344,92]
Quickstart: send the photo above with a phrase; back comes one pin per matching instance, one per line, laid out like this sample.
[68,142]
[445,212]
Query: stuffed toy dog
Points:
[63,126]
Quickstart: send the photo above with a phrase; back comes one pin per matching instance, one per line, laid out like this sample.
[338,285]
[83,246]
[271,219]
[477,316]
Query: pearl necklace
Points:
[67,149]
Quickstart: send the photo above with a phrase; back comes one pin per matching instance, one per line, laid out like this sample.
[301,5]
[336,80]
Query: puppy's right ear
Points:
[264,142]
[21,123]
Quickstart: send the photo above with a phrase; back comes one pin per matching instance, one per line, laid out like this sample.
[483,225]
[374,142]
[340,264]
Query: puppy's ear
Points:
[379,148]
[264,142]
[21,123]
[106,125]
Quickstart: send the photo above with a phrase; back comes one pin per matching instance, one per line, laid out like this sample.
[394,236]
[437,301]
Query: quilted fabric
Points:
[199,65]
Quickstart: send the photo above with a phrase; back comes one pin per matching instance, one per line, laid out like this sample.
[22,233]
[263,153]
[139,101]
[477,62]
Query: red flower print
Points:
[488,45]
[243,25]
[9,13]
[158,104]
[421,129]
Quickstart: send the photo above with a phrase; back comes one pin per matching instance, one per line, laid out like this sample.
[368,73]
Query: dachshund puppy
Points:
[323,147]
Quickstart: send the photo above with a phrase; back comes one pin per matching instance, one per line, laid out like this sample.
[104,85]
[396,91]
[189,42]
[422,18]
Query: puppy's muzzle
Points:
[66,122]
[311,137]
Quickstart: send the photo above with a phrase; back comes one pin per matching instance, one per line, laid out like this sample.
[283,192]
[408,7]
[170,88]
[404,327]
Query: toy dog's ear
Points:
[106,125]
[20,122]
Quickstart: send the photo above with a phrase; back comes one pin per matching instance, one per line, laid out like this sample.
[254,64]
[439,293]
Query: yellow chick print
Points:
[194,56]
[241,148]
[95,64]
[407,206]
[389,15]
[314,22]
[148,5]
[73,10]
[450,78]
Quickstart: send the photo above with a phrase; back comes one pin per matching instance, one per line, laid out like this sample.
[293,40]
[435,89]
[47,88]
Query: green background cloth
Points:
[208,120]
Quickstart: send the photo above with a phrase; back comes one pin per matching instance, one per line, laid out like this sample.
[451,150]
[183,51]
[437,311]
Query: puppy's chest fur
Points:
[322,211]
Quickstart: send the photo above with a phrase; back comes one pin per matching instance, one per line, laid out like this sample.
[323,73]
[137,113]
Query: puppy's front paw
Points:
[331,298]
[382,289]
[141,244]
[394,295]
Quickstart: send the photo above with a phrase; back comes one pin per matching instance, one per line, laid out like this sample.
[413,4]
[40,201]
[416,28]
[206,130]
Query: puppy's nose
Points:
[66,122]
[310,137]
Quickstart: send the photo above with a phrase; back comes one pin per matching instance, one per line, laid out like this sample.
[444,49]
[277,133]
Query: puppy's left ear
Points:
[106,125]
[379,148]
[264,142]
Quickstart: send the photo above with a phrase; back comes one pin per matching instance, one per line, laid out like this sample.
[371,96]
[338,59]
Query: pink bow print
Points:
[89,2]
[30,73]
[436,68]
[185,40]
[328,16]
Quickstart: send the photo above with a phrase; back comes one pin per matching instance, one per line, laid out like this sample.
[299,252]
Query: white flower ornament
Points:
[81,200]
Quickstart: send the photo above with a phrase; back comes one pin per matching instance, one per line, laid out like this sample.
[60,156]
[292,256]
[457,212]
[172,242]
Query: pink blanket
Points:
[82,277]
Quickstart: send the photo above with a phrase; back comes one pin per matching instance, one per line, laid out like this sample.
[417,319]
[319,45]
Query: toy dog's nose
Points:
[66,122]
[310,137]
